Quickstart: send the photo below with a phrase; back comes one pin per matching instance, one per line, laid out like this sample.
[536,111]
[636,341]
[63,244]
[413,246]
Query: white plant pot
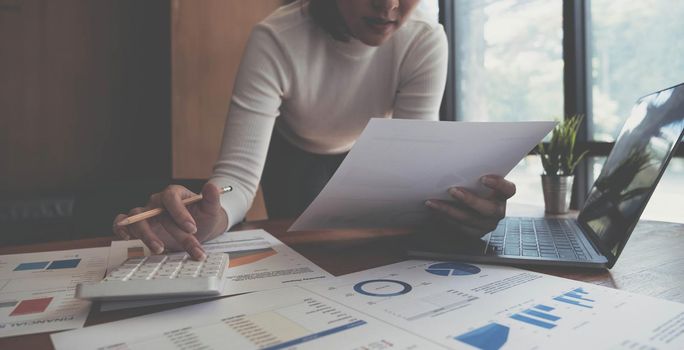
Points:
[557,193]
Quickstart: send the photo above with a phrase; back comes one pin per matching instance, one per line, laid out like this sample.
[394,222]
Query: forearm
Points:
[257,96]
[241,160]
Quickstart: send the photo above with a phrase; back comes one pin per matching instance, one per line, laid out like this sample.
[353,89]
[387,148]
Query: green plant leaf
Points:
[558,155]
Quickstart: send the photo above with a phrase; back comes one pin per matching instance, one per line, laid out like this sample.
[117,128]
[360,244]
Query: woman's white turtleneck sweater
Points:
[322,92]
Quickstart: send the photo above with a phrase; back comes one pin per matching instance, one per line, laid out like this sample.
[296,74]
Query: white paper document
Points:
[396,165]
[37,289]
[258,261]
[409,305]
[474,306]
[289,318]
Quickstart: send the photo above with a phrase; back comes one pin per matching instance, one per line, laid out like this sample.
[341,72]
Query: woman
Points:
[312,75]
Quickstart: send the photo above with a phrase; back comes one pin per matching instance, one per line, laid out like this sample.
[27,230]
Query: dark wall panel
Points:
[84,93]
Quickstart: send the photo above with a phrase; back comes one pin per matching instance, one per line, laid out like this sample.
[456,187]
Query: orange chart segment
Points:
[249,256]
[136,252]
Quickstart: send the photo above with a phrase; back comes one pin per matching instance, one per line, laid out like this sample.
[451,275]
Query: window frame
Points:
[577,86]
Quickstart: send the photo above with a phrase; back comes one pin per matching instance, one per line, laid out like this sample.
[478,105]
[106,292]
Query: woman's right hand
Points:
[179,227]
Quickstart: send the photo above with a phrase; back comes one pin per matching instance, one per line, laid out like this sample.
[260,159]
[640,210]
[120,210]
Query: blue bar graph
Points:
[575,297]
[543,307]
[39,265]
[580,290]
[48,265]
[533,321]
[535,317]
[490,337]
[543,315]
[64,264]
[572,302]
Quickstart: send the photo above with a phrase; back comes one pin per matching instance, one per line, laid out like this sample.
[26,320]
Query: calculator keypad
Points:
[170,266]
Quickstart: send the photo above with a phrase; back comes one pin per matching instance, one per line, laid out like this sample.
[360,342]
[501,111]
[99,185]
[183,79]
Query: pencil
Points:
[157,211]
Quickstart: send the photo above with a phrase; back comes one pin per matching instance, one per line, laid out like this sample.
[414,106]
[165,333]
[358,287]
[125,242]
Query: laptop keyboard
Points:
[535,237]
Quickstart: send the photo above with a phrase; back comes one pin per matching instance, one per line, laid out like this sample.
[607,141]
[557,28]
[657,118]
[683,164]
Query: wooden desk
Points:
[652,263]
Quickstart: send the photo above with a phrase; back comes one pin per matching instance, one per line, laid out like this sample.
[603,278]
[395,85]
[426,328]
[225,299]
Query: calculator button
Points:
[176,258]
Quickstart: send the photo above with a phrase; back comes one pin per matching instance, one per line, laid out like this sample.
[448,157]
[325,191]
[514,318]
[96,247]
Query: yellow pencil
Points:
[157,211]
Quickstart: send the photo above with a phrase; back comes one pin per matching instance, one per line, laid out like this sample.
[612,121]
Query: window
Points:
[510,58]
[636,49]
[509,64]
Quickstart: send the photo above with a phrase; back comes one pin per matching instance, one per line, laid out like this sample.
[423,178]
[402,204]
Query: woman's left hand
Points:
[472,215]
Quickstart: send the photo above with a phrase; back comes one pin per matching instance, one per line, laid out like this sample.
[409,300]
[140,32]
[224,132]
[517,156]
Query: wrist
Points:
[220,226]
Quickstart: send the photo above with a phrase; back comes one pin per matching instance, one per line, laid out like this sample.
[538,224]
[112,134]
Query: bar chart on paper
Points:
[535,320]
[577,297]
[37,289]
[538,315]
[592,317]
[460,305]
[48,265]
[287,318]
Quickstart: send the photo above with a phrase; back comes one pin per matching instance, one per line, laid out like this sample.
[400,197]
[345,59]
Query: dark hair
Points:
[326,15]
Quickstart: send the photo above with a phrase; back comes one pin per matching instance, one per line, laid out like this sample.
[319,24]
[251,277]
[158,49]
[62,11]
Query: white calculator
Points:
[159,276]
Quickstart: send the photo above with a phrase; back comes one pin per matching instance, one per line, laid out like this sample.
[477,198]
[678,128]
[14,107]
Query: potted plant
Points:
[559,159]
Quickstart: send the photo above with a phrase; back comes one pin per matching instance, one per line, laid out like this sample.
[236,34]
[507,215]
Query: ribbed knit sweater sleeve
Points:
[423,75]
[258,91]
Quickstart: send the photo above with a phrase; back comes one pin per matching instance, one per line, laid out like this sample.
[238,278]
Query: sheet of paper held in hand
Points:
[396,165]
[258,261]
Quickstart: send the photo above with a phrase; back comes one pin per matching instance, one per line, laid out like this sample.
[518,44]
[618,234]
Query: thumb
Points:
[211,195]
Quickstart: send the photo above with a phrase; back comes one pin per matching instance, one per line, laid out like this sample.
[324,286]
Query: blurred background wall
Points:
[103,102]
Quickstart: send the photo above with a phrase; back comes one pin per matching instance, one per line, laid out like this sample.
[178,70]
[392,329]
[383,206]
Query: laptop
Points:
[617,198]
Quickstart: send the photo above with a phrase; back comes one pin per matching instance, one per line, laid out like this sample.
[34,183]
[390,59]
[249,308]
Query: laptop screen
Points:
[633,168]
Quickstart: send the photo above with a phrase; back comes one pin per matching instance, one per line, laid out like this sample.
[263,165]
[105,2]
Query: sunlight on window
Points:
[509,63]
[527,181]
[636,49]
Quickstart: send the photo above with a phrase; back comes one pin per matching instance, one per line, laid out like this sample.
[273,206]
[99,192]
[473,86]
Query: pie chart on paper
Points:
[453,269]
